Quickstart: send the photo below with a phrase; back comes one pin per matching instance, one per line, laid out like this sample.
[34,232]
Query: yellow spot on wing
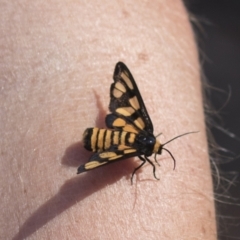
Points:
[116,157]
[139,123]
[125,77]
[134,103]
[129,151]
[119,122]
[125,111]
[130,128]
[116,93]
[120,87]
[122,147]
[107,155]
[93,164]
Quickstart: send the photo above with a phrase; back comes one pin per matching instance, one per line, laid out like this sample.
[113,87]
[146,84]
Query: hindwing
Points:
[114,153]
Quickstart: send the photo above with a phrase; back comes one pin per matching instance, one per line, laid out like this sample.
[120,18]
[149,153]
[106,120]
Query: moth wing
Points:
[121,123]
[114,153]
[126,102]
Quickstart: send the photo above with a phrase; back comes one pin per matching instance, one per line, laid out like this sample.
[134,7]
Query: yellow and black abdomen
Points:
[97,140]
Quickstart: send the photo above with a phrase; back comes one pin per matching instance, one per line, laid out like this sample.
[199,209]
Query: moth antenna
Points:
[179,137]
[174,160]
[158,135]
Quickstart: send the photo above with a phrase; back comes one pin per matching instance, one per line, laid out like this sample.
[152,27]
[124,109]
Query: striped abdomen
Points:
[96,139]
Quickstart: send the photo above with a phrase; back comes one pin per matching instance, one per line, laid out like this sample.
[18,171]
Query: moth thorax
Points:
[157,147]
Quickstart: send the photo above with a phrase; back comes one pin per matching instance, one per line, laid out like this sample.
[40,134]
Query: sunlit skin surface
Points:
[57,59]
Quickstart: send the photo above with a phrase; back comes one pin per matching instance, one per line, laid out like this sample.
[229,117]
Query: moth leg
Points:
[154,168]
[155,158]
[144,161]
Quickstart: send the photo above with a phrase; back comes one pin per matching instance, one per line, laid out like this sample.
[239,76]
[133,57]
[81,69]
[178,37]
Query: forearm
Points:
[57,84]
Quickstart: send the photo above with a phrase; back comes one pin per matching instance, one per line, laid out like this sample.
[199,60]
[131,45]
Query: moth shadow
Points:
[79,187]
[73,191]
[75,155]
[75,152]
[100,119]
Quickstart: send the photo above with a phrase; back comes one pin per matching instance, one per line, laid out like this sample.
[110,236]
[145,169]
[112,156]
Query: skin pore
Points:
[57,61]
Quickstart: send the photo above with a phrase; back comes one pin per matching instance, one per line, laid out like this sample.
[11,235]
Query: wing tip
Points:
[119,68]
[81,169]
[120,63]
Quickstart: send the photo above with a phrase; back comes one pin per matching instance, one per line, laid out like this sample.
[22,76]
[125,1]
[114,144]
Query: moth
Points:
[130,129]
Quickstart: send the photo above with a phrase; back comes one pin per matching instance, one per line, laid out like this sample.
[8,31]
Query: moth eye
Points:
[151,141]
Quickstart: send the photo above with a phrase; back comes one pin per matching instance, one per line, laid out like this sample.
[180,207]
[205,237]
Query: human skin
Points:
[56,66]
